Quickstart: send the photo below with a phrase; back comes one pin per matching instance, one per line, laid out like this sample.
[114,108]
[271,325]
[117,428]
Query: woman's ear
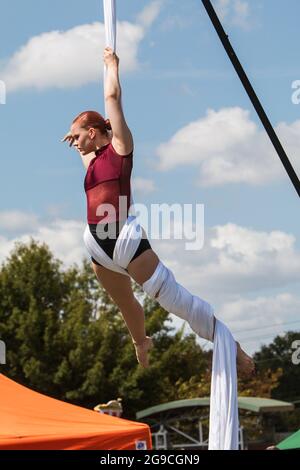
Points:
[92,133]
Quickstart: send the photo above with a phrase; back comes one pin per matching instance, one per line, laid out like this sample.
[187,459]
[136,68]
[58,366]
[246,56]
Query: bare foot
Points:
[245,364]
[141,351]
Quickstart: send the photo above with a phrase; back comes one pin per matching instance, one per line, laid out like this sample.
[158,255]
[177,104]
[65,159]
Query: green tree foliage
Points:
[278,355]
[31,291]
[65,337]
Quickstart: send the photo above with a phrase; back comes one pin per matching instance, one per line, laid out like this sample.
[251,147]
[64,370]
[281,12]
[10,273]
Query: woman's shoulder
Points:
[113,147]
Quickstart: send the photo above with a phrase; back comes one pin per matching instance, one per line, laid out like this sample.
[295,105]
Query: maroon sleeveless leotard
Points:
[108,178]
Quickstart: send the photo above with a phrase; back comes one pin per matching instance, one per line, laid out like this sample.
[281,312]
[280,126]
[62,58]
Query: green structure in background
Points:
[167,420]
[291,442]
[255,404]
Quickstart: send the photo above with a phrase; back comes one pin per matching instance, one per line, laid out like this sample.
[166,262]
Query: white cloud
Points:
[235,12]
[253,260]
[254,322]
[70,58]
[143,185]
[241,14]
[73,58]
[175,22]
[235,260]
[150,13]
[222,8]
[17,220]
[64,238]
[246,314]
[228,147]
[57,210]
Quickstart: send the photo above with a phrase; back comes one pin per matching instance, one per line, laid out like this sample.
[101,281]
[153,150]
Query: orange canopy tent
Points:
[31,421]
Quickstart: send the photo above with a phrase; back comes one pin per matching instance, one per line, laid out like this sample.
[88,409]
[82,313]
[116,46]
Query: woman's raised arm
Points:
[122,140]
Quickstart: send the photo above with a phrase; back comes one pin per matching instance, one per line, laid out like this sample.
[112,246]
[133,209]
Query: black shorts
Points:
[108,244]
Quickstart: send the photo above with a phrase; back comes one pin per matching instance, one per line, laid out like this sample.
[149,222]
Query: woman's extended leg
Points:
[119,288]
[159,282]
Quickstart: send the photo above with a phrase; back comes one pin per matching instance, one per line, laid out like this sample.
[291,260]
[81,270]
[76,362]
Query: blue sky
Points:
[178,86]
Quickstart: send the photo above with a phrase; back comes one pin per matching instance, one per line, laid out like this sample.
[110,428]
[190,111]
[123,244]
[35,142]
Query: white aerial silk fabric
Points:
[174,298]
[110,28]
[223,429]
[110,21]
[223,419]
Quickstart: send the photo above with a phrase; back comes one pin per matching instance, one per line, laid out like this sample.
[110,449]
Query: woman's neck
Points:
[103,143]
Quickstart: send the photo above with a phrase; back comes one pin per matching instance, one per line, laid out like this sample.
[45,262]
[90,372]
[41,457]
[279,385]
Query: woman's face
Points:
[84,139]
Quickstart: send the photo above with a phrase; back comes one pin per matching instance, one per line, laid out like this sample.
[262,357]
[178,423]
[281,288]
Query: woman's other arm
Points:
[85,158]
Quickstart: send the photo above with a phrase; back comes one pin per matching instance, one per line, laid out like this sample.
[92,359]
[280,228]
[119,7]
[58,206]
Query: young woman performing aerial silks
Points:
[120,251]
[106,148]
